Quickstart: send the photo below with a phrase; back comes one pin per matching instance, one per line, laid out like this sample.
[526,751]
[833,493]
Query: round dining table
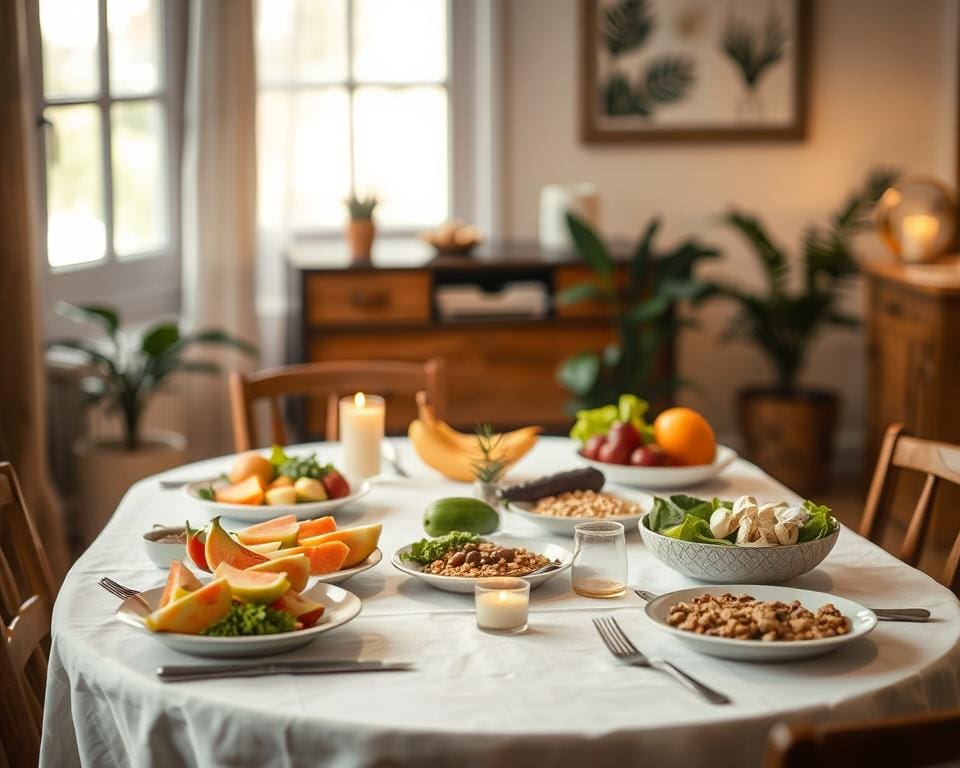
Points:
[550,696]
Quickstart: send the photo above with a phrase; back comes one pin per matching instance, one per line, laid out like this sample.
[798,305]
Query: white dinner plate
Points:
[564,526]
[863,620]
[249,513]
[337,576]
[465,584]
[663,477]
[340,607]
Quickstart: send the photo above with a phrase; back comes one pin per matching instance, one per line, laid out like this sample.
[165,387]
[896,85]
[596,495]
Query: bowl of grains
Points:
[561,513]
[455,561]
[757,623]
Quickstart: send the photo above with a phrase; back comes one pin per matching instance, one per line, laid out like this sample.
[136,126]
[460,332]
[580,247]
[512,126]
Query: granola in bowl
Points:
[481,558]
[592,504]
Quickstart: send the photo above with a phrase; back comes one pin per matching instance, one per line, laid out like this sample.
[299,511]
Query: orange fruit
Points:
[685,436]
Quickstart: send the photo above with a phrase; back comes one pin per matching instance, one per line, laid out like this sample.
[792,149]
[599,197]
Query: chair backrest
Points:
[915,741]
[330,380]
[939,462]
[26,602]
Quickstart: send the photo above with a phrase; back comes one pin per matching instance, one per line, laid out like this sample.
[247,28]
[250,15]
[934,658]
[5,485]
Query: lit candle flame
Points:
[359,400]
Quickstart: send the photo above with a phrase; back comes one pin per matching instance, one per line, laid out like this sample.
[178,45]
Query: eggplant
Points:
[586,479]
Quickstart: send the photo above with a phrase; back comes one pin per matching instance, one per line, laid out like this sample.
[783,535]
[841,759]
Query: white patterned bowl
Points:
[737,565]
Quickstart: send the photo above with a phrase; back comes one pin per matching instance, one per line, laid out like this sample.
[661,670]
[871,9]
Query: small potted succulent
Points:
[123,372]
[361,229]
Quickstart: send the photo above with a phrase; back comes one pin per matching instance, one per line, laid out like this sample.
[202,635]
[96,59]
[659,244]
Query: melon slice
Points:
[283,529]
[305,611]
[315,527]
[194,612]
[220,547]
[296,568]
[253,587]
[249,492]
[180,582]
[265,548]
[362,540]
[324,558]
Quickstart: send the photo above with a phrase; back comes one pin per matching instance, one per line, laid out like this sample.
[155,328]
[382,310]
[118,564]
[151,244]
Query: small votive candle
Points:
[361,432]
[502,605]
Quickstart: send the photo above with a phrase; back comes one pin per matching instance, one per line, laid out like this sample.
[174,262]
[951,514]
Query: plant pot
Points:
[360,235]
[106,469]
[790,435]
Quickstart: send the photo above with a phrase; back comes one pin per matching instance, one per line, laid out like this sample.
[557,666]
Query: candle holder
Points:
[916,218]
[503,605]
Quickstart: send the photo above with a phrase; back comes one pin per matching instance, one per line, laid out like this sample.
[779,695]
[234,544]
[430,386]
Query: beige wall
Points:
[883,87]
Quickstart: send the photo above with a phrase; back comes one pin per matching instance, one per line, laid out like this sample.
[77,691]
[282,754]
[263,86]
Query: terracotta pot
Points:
[360,235]
[790,435]
[106,469]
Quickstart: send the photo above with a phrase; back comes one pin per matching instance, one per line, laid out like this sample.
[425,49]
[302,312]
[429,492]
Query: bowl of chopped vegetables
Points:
[738,542]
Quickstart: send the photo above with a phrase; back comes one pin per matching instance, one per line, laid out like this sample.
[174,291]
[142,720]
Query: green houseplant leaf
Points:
[626,25]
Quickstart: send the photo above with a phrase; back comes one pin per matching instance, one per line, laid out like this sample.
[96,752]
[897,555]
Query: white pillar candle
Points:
[361,432]
[918,234]
[503,607]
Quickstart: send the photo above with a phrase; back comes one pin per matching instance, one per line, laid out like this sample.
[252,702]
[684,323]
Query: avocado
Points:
[460,514]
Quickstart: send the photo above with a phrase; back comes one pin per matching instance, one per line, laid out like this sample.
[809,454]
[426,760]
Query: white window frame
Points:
[474,116]
[141,285]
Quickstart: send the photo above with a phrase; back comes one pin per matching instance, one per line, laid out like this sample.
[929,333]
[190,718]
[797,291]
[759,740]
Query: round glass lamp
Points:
[916,217]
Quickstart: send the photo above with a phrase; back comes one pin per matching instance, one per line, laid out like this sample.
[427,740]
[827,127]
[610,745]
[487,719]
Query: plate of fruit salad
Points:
[677,450]
[238,612]
[303,549]
[259,487]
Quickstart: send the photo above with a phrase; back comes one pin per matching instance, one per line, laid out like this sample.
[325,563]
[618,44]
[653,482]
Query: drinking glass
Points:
[600,560]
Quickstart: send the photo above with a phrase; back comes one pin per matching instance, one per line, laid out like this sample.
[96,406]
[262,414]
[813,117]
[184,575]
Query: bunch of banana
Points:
[453,453]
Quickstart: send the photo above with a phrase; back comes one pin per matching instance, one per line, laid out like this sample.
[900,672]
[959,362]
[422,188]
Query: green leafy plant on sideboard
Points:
[641,306]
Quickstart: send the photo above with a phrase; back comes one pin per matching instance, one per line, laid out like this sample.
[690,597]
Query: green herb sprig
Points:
[427,550]
[491,466]
[251,619]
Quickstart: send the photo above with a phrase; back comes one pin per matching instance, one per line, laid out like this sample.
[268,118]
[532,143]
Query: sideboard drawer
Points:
[364,298]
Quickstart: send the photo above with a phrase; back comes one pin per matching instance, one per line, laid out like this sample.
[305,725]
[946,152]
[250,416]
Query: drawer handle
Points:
[369,299]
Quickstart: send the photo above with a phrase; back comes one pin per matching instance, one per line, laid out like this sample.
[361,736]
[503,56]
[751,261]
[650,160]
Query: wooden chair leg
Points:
[333,417]
[919,523]
[873,512]
[241,413]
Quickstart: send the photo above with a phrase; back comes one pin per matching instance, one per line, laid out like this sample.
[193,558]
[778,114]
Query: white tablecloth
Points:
[552,696]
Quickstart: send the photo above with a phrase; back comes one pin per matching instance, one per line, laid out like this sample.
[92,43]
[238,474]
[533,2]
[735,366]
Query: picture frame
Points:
[738,72]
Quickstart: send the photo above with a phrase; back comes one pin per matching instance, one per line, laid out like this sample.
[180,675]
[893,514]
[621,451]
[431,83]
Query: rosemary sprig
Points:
[491,466]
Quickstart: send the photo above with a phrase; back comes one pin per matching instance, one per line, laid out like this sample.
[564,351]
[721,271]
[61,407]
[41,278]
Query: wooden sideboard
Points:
[501,370]
[913,326]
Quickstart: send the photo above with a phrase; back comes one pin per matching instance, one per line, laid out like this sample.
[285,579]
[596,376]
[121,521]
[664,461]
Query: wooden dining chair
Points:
[914,741]
[938,462]
[26,602]
[329,380]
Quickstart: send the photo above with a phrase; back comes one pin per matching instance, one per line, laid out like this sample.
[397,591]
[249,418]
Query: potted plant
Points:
[360,229]
[789,429]
[124,372]
[641,311]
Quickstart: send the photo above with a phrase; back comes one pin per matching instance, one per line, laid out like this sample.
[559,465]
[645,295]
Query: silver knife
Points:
[175,673]
[883,614]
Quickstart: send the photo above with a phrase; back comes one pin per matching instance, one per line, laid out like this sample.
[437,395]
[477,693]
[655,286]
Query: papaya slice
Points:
[324,558]
[316,527]
[248,492]
[283,529]
[180,582]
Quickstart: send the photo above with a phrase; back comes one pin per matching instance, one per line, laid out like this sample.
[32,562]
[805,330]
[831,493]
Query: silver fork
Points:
[117,589]
[627,653]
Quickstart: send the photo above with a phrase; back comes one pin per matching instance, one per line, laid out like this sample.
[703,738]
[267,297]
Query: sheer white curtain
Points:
[219,201]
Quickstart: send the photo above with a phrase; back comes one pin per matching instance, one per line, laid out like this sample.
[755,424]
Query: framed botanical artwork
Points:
[694,70]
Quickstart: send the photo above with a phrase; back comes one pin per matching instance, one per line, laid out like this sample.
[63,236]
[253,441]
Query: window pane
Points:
[75,225]
[401,152]
[139,178]
[134,61]
[400,42]
[304,157]
[70,58]
[302,40]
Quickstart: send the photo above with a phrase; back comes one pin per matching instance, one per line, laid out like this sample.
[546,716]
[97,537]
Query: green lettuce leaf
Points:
[597,421]
[694,529]
[820,524]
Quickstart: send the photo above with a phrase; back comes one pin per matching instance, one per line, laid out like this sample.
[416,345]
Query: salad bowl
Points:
[259,513]
[340,606]
[660,478]
[736,564]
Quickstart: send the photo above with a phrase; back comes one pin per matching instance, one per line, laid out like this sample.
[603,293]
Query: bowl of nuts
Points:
[560,514]
[455,561]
